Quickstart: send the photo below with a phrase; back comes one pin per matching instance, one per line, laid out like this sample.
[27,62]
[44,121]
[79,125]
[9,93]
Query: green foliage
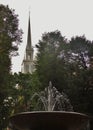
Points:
[48,51]
[10,37]
[68,65]
[24,86]
[21,95]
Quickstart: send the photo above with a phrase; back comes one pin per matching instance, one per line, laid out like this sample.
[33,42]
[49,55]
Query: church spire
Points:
[27,64]
[29,42]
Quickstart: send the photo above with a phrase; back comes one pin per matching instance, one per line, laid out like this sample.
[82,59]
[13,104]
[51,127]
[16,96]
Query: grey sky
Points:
[71,17]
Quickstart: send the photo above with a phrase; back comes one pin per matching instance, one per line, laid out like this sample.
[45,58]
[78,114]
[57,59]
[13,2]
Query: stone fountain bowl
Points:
[43,120]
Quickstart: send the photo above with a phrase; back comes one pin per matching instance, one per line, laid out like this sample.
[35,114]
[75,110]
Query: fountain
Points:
[53,100]
[64,119]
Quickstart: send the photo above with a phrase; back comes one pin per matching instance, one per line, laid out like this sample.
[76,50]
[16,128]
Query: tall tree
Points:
[82,53]
[10,37]
[47,57]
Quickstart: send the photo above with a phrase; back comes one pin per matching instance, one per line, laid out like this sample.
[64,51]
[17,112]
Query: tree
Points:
[68,65]
[10,37]
[47,57]
[80,60]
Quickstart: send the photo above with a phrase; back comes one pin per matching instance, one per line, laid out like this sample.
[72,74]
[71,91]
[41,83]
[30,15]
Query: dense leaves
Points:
[48,52]
[23,87]
[10,37]
[68,64]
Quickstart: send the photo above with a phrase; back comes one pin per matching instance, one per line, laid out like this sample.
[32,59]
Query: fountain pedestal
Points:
[55,120]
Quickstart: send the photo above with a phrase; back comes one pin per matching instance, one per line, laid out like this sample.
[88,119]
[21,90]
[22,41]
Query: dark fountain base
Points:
[54,120]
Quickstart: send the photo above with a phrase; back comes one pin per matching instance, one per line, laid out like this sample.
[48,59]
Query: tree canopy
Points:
[68,65]
[10,37]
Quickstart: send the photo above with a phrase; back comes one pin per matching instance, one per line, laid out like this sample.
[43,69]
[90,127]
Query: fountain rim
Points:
[51,112]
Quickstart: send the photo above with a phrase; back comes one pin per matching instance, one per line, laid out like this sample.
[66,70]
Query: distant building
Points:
[27,64]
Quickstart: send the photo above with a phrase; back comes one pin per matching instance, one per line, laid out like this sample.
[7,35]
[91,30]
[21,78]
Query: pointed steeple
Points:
[27,64]
[29,42]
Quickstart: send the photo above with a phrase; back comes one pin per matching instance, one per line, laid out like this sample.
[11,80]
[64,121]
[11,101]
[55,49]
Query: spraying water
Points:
[53,100]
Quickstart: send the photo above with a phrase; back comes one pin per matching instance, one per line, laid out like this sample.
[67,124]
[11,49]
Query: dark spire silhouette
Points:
[29,42]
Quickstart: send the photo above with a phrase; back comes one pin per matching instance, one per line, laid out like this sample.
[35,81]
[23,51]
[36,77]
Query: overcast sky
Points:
[71,17]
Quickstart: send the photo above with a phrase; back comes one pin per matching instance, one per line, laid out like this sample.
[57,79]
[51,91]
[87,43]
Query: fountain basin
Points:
[48,120]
